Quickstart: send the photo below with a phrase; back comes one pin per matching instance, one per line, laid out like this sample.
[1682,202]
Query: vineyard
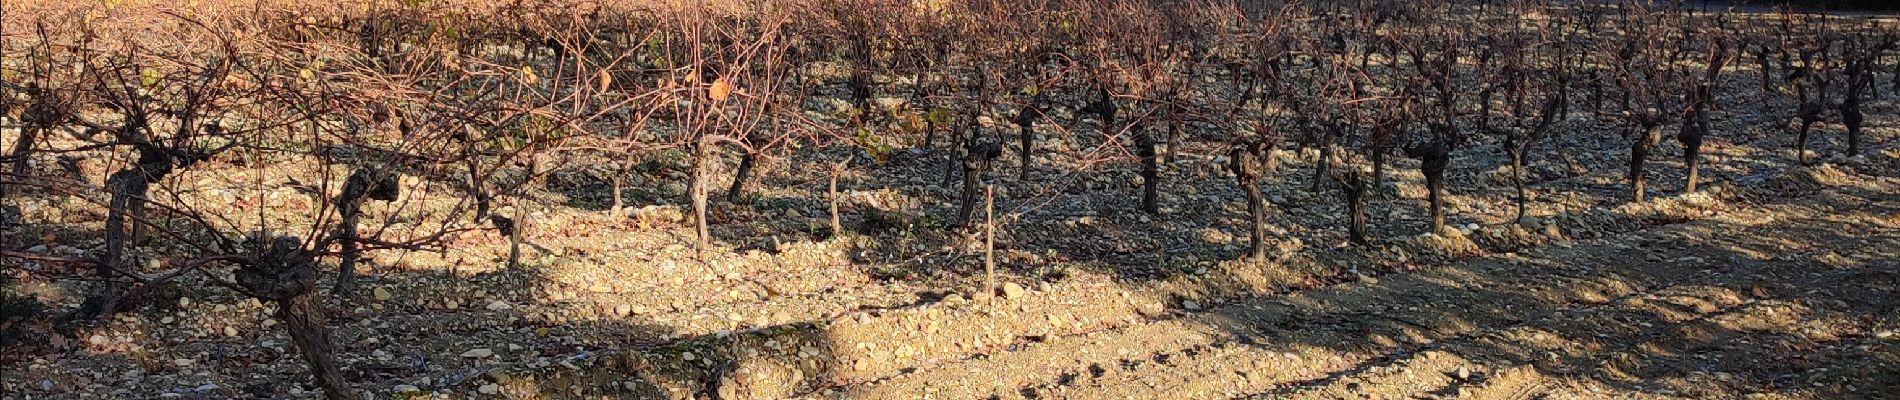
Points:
[948,199]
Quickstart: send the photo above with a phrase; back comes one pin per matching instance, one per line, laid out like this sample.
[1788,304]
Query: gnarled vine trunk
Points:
[739,178]
[1434,157]
[286,274]
[1025,122]
[1852,117]
[1150,170]
[129,187]
[1640,144]
[1322,169]
[1521,196]
[1355,190]
[1248,165]
[1694,129]
[364,184]
[976,158]
[22,149]
[1801,139]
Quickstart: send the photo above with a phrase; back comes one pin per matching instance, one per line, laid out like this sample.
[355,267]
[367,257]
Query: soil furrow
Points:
[1204,353]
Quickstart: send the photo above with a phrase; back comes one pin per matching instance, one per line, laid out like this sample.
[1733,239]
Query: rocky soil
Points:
[1775,281]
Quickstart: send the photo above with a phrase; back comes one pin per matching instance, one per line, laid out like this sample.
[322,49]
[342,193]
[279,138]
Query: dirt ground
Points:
[1776,281]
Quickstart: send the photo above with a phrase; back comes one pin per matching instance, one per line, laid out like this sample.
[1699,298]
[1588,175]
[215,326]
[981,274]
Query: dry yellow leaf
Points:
[721,89]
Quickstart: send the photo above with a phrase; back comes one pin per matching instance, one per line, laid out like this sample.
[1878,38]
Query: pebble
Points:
[478,353]
[498,375]
[499,305]
[489,389]
[381,294]
[1149,309]
[1190,305]
[1531,222]
[1012,291]
[407,389]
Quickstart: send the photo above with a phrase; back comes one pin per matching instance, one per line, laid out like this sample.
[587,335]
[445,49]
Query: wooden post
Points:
[989,242]
[837,228]
[514,234]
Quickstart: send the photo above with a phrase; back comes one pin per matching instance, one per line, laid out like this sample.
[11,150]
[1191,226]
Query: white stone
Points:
[1013,291]
[499,305]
